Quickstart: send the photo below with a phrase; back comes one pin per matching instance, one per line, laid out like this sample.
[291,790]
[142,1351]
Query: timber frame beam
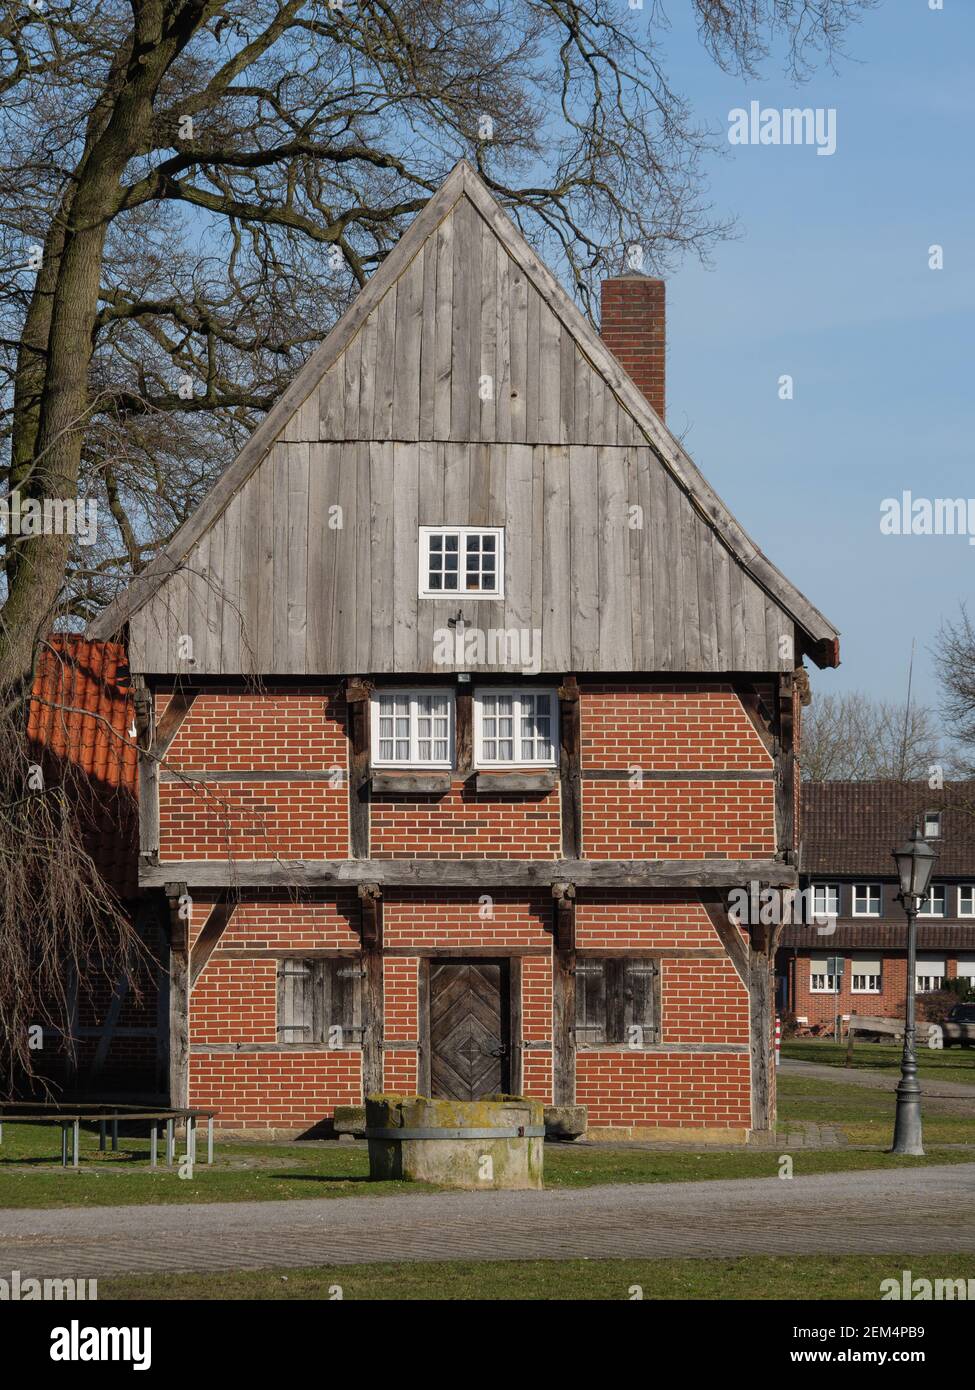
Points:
[155,740]
[371,936]
[564,994]
[179,994]
[692,874]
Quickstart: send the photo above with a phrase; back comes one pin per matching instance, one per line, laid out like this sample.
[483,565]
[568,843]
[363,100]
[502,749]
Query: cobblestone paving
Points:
[926,1210]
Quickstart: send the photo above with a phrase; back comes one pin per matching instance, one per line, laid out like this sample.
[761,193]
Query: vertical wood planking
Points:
[194,579]
[363,560]
[722,607]
[444,328]
[705,593]
[532,366]
[406,484]
[460,339]
[381,544]
[632,520]
[367,374]
[352,360]
[584,565]
[518,340]
[276,602]
[519,549]
[688,589]
[430,512]
[382,416]
[321,557]
[472,273]
[502,418]
[428,342]
[549,377]
[230,582]
[406,368]
[557,642]
[294,620]
[343,540]
[488,404]
[648,606]
[583,386]
[567,386]
[215,597]
[615,598]
[250,572]
[537,515]
[331,404]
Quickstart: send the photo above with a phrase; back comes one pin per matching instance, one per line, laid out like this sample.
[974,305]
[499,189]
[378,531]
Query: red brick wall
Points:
[639,729]
[678,1090]
[278,730]
[465,825]
[890,1003]
[633,327]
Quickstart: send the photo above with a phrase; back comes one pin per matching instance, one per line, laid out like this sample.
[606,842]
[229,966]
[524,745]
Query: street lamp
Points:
[915,861]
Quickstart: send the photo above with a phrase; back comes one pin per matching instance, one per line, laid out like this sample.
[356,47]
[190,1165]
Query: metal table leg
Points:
[170,1142]
[210,1139]
[153,1137]
[77,1139]
[101,1136]
[64,1144]
[115,1136]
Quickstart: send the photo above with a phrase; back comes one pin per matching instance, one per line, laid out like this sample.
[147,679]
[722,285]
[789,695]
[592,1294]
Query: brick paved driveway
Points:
[925,1210]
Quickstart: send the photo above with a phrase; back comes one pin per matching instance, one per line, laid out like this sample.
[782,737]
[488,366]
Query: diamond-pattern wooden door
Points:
[468,1030]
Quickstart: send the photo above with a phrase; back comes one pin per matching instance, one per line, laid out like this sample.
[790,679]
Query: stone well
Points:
[490,1143]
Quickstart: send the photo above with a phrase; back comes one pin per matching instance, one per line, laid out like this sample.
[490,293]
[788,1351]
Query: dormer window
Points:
[466,560]
[932,825]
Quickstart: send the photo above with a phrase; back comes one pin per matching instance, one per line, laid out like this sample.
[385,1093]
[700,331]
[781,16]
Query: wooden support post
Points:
[179,995]
[371,932]
[357,695]
[464,730]
[154,741]
[785,771]
[761,999]
[564,995]
[570,768]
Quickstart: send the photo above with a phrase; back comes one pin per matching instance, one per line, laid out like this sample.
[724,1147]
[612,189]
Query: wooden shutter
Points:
[295,1011]
[640,1009]
[315,996]
[590,1002]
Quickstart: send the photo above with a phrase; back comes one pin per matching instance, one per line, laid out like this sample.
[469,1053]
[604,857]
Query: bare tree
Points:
[851,737]
[954,654]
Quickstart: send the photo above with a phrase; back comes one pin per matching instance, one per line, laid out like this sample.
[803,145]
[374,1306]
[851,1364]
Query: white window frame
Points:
[968,911]
[826,889]
[936,833]
[929,898]
[414,695]
[461,532]
[516,693]
[828,988]
[875,982]
[866,887]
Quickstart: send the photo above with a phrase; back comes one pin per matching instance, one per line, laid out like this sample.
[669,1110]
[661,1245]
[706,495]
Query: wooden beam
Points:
[217,922]
[785,770]
[371,932]
[564,994]
[729,934]
[172,719]
[761,1009]
[179,994]
[464,730]
[570,767]
[357,696]
[692,874]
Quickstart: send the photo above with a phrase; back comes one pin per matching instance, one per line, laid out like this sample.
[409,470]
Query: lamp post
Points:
[915,861]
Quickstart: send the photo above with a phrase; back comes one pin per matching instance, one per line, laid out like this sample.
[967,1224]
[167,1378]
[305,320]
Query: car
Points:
[959,1026]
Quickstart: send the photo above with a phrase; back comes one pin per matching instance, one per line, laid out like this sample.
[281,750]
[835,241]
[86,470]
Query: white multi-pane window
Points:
[866,900]
[930,973]
[966,968]
[933,902]
[966,902]
[826,900]
[932,825]
[514,726]
[867,974]
[466,560]
[412,728]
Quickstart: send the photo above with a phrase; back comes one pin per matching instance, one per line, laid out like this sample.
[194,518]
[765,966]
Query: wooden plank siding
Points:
[313,569]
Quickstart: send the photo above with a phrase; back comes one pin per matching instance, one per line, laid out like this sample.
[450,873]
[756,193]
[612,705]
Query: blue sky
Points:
[829,282]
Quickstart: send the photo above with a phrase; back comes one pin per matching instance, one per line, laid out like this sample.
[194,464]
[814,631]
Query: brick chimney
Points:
[633,327]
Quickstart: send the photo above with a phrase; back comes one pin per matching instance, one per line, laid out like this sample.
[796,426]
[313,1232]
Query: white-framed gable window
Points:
[826,900]
[512,727]
[413,728]
[966,900]
[466,560]
[932,825]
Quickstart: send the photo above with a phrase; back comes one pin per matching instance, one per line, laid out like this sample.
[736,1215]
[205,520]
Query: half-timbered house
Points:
[463,704]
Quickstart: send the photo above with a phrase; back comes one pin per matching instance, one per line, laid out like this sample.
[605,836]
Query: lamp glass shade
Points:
[915,862]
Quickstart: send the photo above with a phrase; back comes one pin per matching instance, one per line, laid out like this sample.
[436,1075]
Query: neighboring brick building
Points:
[463,703]
[849,830]
[80,725]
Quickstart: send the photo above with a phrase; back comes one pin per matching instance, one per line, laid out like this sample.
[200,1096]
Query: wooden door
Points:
[469,1029]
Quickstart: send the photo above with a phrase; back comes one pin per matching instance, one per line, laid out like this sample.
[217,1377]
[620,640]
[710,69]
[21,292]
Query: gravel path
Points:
[927,1210]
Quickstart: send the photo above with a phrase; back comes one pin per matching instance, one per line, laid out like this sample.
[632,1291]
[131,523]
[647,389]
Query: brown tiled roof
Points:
[884,936]
[80,725]
[851,827]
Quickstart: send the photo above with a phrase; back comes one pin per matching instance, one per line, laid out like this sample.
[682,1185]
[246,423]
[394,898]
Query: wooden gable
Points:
[463,387]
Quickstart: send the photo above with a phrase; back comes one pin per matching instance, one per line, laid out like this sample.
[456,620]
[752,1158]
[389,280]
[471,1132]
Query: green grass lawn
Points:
[31,1176]
[950,1064]
[751,1277]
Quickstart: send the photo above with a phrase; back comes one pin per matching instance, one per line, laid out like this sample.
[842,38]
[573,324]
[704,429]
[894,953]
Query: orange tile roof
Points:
[82,727]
